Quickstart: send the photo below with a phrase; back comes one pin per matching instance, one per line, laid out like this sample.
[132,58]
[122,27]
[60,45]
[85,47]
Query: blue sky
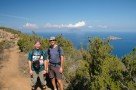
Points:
[87,15]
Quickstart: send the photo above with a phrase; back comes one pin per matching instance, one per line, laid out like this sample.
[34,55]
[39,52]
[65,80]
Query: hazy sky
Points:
[93,15]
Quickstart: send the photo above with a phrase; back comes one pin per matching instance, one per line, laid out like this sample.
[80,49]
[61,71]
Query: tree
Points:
[130,70]
[105,69]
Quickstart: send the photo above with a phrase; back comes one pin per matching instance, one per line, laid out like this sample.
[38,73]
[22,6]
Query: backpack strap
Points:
[59,51]
[49,53]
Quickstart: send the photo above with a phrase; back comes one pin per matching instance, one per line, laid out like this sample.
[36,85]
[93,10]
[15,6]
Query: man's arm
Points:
[62,61]
[62,64]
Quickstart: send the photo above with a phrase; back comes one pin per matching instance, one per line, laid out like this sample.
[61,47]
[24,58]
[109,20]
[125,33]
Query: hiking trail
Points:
[11,77]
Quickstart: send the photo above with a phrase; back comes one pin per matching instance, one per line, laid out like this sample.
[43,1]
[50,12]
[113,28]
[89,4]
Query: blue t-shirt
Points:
[54,54]
[37,54]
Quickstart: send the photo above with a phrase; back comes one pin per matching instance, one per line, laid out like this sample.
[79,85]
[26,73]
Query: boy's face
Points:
[37,45]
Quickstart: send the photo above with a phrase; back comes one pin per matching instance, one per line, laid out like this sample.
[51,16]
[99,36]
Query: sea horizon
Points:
[121,47]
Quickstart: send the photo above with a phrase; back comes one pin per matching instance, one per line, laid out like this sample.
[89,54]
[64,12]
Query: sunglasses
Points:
[52,40]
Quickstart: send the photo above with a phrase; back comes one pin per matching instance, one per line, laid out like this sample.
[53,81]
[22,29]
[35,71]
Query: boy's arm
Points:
[46,65]
[45,61]
[30,67]
[30,63]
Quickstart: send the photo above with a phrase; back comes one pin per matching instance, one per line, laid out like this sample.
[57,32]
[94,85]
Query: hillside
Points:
[92,69]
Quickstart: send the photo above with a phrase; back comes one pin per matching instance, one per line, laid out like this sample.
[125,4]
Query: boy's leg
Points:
[34,79]
[42,79]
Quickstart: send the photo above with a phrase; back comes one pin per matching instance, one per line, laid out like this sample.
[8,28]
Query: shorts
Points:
[54,72]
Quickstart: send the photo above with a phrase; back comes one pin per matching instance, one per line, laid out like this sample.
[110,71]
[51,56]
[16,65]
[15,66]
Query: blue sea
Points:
[121,47]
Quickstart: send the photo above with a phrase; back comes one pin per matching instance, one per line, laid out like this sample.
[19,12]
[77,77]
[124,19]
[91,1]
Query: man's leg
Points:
[59,78]
[54,83]
[52,76]
[42,79]
[34,79]
[60,84]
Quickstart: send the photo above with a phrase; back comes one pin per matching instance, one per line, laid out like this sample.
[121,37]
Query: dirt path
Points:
[10,75]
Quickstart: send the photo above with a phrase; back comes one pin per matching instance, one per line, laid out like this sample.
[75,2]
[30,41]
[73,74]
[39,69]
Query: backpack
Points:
[59,51]
[36,64]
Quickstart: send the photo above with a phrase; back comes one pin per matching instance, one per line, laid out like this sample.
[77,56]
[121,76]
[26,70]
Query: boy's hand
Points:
[44,71]
[31,72]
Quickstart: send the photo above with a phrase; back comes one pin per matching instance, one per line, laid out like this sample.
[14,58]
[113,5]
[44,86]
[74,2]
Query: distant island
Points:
[114,38]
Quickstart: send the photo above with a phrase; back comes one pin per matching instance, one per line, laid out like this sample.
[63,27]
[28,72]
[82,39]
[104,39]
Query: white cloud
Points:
[103,26]
[90,26]
[30,26]
[77,25]
[97,26]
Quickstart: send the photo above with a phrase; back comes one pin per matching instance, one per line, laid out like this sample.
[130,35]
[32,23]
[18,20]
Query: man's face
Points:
[37,45]
[52,42]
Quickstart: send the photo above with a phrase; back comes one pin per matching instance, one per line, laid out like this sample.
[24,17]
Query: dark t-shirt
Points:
[35,55]
[55,54]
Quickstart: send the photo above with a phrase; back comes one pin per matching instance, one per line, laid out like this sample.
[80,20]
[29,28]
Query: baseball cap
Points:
[52,38]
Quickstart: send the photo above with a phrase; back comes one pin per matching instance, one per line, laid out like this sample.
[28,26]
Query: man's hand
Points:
[61,70]
[31,72]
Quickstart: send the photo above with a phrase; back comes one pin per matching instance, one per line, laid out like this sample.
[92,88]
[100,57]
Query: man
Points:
[56,59]
[37,64]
